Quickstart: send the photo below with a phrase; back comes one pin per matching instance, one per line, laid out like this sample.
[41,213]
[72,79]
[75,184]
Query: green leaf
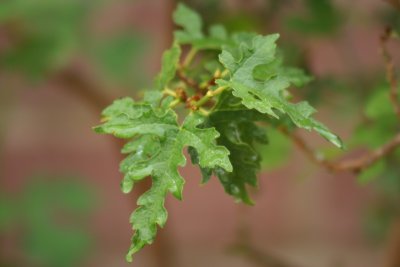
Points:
[191,23]
[239,134]
[126,119]
[218,31]
[296,76]
[192,33]
[170,63]
[156,151]
[266,93]
[153,97]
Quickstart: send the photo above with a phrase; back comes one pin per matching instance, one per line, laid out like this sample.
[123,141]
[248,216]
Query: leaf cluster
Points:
[228,89]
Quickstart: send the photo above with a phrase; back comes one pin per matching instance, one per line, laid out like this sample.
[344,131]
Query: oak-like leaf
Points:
[155,150]
[266,93]
[192,30]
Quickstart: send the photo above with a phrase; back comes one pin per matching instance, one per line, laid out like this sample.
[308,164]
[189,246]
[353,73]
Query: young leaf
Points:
[169,66]
[192,33]
[191,23]
[266,95]
[156,151]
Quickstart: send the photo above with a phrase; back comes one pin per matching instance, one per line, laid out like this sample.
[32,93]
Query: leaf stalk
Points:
[210,94]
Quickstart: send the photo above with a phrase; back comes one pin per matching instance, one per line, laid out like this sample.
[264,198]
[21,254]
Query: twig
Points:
[390,71]
[206,86]
[393,245]
[259,258]
[351,165]
[170,92]
[361,163]
[210,94]
[394,3]
[174,103]
[189,57]
[244,248]
[188,81]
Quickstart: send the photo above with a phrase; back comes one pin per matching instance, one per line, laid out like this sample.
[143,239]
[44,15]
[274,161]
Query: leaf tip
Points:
[129,257]
[98,129]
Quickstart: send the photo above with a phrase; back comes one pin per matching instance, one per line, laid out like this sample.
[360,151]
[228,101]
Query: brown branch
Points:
[351,165]
[394,3]
[361,163]
[392,257]
[390,70]
[189,82]
[243,247]
[257,257]
[74,81]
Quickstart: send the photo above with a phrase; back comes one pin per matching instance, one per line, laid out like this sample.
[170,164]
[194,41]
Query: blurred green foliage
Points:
[379,126]
[276,153]
[321,18]
[121,57]
[6,212]
[380,121]
[53,217]
[43,33]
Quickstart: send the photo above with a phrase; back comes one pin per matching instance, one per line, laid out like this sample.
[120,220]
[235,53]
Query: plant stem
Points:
[356,165]
[189,57]
[174,103]
[204,112]
[170,92]
[390,71]
[224,73]
[210,94]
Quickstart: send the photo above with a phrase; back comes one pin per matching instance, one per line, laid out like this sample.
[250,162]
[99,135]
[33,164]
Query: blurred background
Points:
[62,62]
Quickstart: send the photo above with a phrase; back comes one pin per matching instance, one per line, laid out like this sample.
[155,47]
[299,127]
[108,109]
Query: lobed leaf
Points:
[156,151]
[191,23]
[263,89]
[192,30]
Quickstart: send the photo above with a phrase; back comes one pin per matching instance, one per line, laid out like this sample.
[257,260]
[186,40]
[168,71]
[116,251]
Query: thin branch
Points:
[257,257]
[87,90]
[206,86]
[394,3]
[390,70]
[189,57]
[392,257]
[359,164]
[244,248]
[356,165]
[170,92]
[188,81]
[209,96]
